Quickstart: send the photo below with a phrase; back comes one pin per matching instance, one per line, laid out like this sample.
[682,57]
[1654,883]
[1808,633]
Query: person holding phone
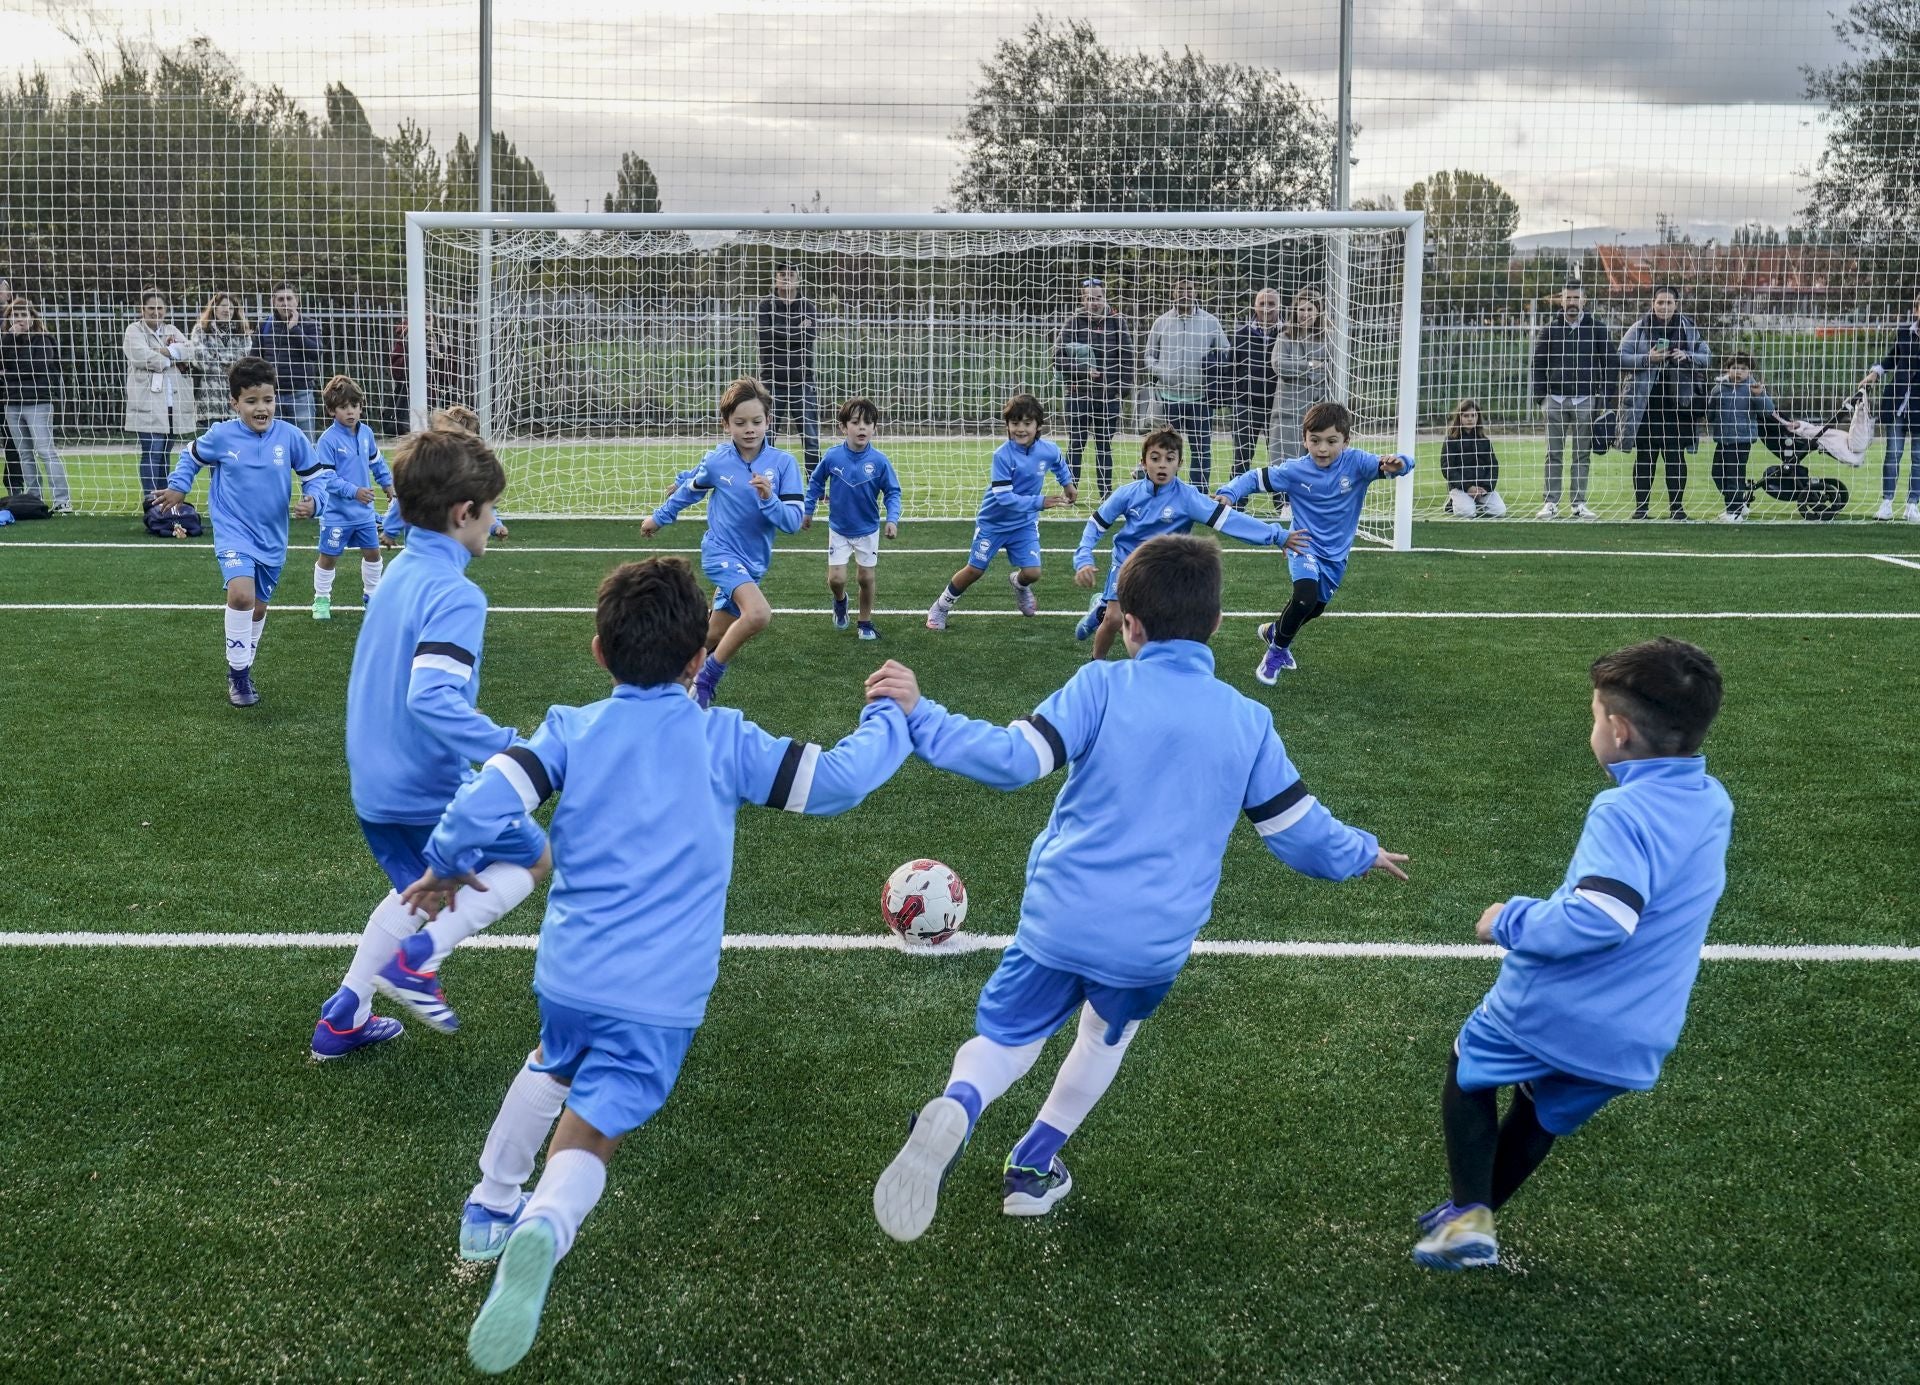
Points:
[1662,350]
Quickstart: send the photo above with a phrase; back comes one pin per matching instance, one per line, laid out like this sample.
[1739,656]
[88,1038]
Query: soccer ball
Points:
[923,903]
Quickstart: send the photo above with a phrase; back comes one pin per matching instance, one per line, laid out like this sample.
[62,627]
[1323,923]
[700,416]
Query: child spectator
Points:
[1593,990]
[1009,514]
[255,459]
[1161,758]
[862,478]
[1468,462]
[346,510]
[757,492]
[1735,405]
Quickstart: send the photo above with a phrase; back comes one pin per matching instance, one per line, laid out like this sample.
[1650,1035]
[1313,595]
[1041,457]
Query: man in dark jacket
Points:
[1251,380]
[788,325]
[1575,374]
[1093,355]
[1900,415]
[290,343]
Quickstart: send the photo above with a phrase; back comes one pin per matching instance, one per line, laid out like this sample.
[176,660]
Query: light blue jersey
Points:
[1014,488]
[1326,500]
[1161,757]
[862,482]
[1597,975]
[252,484]
[413,730]
[1150,511]
[740,525]
[356,462]
[642,839]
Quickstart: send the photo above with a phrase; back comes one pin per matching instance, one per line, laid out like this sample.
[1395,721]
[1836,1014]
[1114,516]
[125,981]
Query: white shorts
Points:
[864,550]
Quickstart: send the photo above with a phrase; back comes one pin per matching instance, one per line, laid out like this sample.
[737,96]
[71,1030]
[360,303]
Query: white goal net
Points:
[595,347]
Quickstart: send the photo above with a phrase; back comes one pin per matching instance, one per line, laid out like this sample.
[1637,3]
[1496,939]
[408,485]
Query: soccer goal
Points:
[595,347]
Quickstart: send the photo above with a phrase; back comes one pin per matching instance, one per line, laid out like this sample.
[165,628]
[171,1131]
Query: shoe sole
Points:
[905,1198]
[1476,1254]
[417,1009]
[509,1320]
[1027,1205]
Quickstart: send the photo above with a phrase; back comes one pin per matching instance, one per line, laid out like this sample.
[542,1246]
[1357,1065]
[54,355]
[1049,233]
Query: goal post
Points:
[605,339]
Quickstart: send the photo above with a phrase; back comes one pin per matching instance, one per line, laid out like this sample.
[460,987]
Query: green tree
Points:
[636,189]
[517,185]
[1470,224]
[1059,122]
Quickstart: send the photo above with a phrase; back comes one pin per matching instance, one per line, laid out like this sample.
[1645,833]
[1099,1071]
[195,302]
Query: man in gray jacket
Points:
[1183,343]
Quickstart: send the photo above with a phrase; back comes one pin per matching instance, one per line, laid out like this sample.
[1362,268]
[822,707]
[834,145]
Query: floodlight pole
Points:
[1340,247]
[483,193]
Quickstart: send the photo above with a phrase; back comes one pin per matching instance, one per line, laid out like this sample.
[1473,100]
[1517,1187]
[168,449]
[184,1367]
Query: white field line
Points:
[1897,562]
[964,943]
[1073,614]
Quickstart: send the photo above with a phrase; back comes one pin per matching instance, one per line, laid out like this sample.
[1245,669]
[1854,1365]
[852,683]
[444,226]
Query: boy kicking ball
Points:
[1594,987]
[862,479]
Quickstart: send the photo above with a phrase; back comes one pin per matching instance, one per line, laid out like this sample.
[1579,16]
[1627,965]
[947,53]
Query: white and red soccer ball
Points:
[923,903]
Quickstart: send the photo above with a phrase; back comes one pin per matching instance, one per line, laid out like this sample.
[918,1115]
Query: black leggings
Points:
[1730,472]
[1306,604]
[1644,459]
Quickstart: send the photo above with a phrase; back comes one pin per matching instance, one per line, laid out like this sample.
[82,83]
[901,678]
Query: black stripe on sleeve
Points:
[308,471]
[1054,743]
[782,788]
[1279,803]
[1613,889]
[1261,479]
[194,448]
[697,486]
[451,651]
[1213,520]
[535,771]
[998,485]
[793,499]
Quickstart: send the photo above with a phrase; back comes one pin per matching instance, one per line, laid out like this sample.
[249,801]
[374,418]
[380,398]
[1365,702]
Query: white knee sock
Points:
[507,885]
[369,575]
[390,924]
[259,624]
[990,1068]
[239,625]
[531,1107]
[569,1186]
[1087,1073]
[323,580]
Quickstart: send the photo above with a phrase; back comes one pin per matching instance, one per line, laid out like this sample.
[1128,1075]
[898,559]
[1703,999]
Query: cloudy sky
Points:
[1601,112]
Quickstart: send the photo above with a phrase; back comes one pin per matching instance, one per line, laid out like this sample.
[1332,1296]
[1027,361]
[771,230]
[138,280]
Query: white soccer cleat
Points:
[908,1192]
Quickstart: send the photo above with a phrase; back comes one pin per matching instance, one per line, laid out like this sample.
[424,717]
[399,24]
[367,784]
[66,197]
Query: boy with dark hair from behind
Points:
[863,481]
[1124,875]
[1593,991]
[414,733]
[630,946]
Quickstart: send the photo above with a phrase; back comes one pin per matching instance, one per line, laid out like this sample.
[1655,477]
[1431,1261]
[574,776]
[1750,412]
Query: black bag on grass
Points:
[181,523]
[25,506]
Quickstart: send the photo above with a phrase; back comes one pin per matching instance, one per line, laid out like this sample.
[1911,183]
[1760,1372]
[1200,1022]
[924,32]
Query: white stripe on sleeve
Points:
[516,776]
[1618,910]
[1042,751]
[444,665]
[803,780]
[1281,821]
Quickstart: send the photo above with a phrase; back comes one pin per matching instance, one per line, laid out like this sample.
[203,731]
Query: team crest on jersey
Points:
[1167,513]
[1346,484]
[869,468]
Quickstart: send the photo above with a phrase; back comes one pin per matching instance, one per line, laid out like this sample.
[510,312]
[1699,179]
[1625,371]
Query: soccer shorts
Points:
[236,563]
[619,1071]
[400,847]
[1488,1058]
[1024,1000]
[1022,546]
[864,550]
[1327,573]
[727,571]
[336,539]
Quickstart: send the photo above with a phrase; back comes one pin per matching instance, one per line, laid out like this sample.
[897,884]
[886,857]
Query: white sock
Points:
[259,624]
[531,1107]
[239,638]
[390,924]
[1087,1073]
[569,1186]
[323,580]
[507,885]
[990,1068]
[369,575]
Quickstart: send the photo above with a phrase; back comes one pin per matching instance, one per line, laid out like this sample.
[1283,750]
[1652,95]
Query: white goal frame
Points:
[1412,223]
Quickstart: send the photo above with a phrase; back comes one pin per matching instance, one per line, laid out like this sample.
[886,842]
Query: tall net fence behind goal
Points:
[596,355]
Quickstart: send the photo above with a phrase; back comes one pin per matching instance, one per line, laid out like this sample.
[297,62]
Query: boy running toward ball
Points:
[862,479]
[630,947]
[346,506]
[1108,855]
[1593,990]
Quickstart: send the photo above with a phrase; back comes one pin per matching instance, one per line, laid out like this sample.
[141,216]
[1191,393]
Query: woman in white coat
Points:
[159,390]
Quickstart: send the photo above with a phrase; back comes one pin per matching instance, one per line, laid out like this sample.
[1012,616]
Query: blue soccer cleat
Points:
[1461,1241]
[867,632]
[1433,1218]
[404,978]
[839,612]
[1090,622]
[1272,664]
[336,1035]
[1031,1193]
[1023,596]
[908,1192]
[704,689]
[240,691]
[510,1318]
[484,1232]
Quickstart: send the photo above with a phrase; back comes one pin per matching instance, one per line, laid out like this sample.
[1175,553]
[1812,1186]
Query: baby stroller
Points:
[1844,435]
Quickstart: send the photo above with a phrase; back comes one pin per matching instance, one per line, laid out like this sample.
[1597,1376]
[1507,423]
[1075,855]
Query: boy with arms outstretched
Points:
[414,733]
[862,478]
[1593,990]
[630,948]
[1124,875]
[256,459]
[1158,503]
[757,492]
[1327,488]
[346,508]
[1009,516]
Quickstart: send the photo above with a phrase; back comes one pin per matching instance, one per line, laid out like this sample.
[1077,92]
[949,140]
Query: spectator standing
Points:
[1574,375]
[1183,345]
[30,377]
[11,479]
[1662,349]
[442,374]
[221,337]
[1093,355]
[159,392]
[290,343]
[788,327]
[1251,380]
[1303,374]
[1468,462]
[1735,405]
[1900,415]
